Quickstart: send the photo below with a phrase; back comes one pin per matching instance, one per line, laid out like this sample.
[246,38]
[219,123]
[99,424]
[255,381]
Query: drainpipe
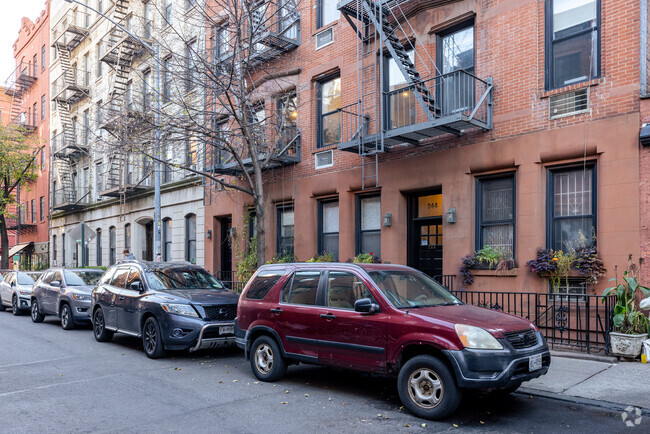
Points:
[643,52]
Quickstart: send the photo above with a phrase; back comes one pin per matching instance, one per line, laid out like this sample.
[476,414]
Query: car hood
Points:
[495,322]
[202,296]
[85,289]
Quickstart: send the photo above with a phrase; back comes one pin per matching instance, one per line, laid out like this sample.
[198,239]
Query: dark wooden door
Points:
[226,249]
[148,243]
[428,246]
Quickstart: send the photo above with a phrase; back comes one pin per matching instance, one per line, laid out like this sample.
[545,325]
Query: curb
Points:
[583,356]
[578,400]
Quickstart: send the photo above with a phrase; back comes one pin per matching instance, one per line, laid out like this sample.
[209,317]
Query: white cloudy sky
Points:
[11,13]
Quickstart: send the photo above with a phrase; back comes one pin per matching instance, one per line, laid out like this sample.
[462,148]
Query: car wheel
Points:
[427,388]
[37,316]
[152,339]
[266,359]
[14,305]
[67,321]
[99,327]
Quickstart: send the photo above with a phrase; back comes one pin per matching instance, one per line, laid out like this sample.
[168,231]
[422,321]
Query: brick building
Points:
[5,117]
[519,129]
[28,87]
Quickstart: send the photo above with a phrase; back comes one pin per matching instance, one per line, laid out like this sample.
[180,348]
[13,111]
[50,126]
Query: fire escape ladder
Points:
[125,48]
[64,171]
[63,107]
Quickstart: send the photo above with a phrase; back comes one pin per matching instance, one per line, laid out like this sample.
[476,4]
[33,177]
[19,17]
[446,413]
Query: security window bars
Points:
[329,117]
[285,230]
[328,228]
[495,219]
[571,207]
[572,41]
[571,290]
[368,227]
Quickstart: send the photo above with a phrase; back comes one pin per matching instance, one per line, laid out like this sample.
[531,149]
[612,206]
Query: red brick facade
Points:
[509,48]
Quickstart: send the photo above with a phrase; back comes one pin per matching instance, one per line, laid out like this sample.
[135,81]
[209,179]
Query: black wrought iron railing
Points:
[446,280]
[228,279]
[580,322]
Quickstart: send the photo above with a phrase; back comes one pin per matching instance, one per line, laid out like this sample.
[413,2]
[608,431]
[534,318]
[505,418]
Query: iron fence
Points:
[446,280]
[580,322]
[228,279]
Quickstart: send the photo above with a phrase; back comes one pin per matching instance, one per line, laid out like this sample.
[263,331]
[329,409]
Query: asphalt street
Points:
[64,381]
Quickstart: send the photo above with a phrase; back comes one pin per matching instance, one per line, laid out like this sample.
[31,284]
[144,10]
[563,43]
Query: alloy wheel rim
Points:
[14,305]
[34,310]
[264,358]
[65,316]
[425,388]
[150,337]
[99,323]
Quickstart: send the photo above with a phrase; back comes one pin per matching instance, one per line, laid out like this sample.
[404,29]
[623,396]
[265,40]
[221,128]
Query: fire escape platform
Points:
[127,190]
[71,93]
[276,42]
[112,53]
[69,206]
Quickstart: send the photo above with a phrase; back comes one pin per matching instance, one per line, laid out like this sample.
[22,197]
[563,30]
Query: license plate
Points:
[535,362]
[229,330]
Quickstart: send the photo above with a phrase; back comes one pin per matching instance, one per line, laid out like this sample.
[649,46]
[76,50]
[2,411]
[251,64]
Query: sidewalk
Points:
[601,381]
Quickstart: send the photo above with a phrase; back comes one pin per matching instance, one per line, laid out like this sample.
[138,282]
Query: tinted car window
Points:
[82,278]
[344,288]
[119,280]
[134,276]
[182,278]
[107,277]
[262,284]
[304,287]
[57,276]
[25,279]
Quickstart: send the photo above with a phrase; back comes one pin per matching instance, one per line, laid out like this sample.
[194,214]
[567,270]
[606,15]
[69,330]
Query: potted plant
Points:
[631,325]
[557,265]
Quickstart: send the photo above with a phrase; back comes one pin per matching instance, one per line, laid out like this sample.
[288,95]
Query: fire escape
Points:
[274,30]
[68,89]
[430,104]
[19,82]
[120,116]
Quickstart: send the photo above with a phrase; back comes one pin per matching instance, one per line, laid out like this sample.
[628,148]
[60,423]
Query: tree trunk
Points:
[260,218]
[4,243]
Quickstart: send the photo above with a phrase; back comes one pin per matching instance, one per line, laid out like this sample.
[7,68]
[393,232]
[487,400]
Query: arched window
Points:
[54,250]
[111,245]
[167,239]
[99,247]
[190,238]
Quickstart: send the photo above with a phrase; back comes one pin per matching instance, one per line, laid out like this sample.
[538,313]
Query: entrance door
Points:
[425,234]
[226,249]
[148,241]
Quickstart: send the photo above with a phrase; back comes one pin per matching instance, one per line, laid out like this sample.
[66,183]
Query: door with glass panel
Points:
[455,88]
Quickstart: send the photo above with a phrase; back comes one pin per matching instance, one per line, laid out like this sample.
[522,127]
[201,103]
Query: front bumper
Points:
[81,310]
[493,369]
[24,302]
[187,333]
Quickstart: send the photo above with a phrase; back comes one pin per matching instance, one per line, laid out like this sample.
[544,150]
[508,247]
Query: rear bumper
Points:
[493,369]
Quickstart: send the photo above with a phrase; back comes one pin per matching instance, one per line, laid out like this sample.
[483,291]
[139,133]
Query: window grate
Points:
[569,103]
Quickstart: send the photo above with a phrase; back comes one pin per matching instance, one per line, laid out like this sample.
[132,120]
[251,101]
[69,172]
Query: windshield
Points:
[82,278]
[25,279]
[182,278]
[411,289]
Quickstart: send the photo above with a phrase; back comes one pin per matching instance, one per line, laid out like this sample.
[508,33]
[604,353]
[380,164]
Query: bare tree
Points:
[227,91]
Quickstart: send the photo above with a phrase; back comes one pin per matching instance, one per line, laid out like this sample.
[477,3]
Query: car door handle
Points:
[327,315]
[278,311]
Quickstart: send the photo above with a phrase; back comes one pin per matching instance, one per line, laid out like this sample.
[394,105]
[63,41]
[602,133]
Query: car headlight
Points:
[81,297]
[179,309]
[24,291]
[477,338]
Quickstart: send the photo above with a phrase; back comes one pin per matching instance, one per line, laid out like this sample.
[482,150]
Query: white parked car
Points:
[16,290]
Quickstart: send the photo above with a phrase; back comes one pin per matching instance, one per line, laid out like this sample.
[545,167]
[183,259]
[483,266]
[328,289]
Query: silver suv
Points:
[16,290]
[65,293]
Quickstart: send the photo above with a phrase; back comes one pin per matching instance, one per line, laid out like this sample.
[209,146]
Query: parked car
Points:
[64,292]
[386,319]
[170,305]
[16,290]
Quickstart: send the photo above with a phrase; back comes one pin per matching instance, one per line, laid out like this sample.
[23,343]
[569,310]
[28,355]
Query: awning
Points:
[19,248]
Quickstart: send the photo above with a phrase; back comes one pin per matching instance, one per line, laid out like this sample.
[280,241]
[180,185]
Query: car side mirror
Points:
[13,284]
[137,286]
[55,283]
[365,305]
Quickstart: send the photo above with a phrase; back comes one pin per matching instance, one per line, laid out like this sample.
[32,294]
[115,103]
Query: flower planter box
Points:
[625,345]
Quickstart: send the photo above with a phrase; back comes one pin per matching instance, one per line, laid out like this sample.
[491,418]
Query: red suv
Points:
[386,319]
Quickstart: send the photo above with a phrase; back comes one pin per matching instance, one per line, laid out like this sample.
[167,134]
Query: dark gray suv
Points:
[170,305]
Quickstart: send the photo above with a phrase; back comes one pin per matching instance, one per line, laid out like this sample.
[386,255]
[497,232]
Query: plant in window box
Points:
[631,325]
[557,266]
[366,258]
[324,257]
[487,258]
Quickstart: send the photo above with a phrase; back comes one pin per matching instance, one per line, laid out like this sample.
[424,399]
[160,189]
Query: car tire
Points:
[427,388]
[152,339]
[99,327]
[14,305]
[35,312]
[266,359]
[67,320]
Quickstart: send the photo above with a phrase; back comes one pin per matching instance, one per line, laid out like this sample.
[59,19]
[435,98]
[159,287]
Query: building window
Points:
[572,42]
[100,5]
[327,12]
[168,11]
[99,62]
[222,41]
[86,71]
[127,236]
[368,225]
[288,114]
[43,57]
[167,239]
[35,109]
[571,290]
[328,228]
[495,213]
[147,20]
[329,103]
[33,203]
[111,245]
[86,132]
[189,4]
[285,230]
[191,146]
[401,99]
[146,89]
[167,80]
[252,225]
[190,237]
[35,65]
[190,65]
[571,207]
[455,54]
[54,249]
[41,206]
[63,250]
[42,107]
[43,156]
[99,247]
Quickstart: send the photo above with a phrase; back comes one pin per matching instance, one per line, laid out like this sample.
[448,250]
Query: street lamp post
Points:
[156,53]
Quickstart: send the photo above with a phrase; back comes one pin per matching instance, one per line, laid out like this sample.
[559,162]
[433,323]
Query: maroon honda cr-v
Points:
[386,319]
